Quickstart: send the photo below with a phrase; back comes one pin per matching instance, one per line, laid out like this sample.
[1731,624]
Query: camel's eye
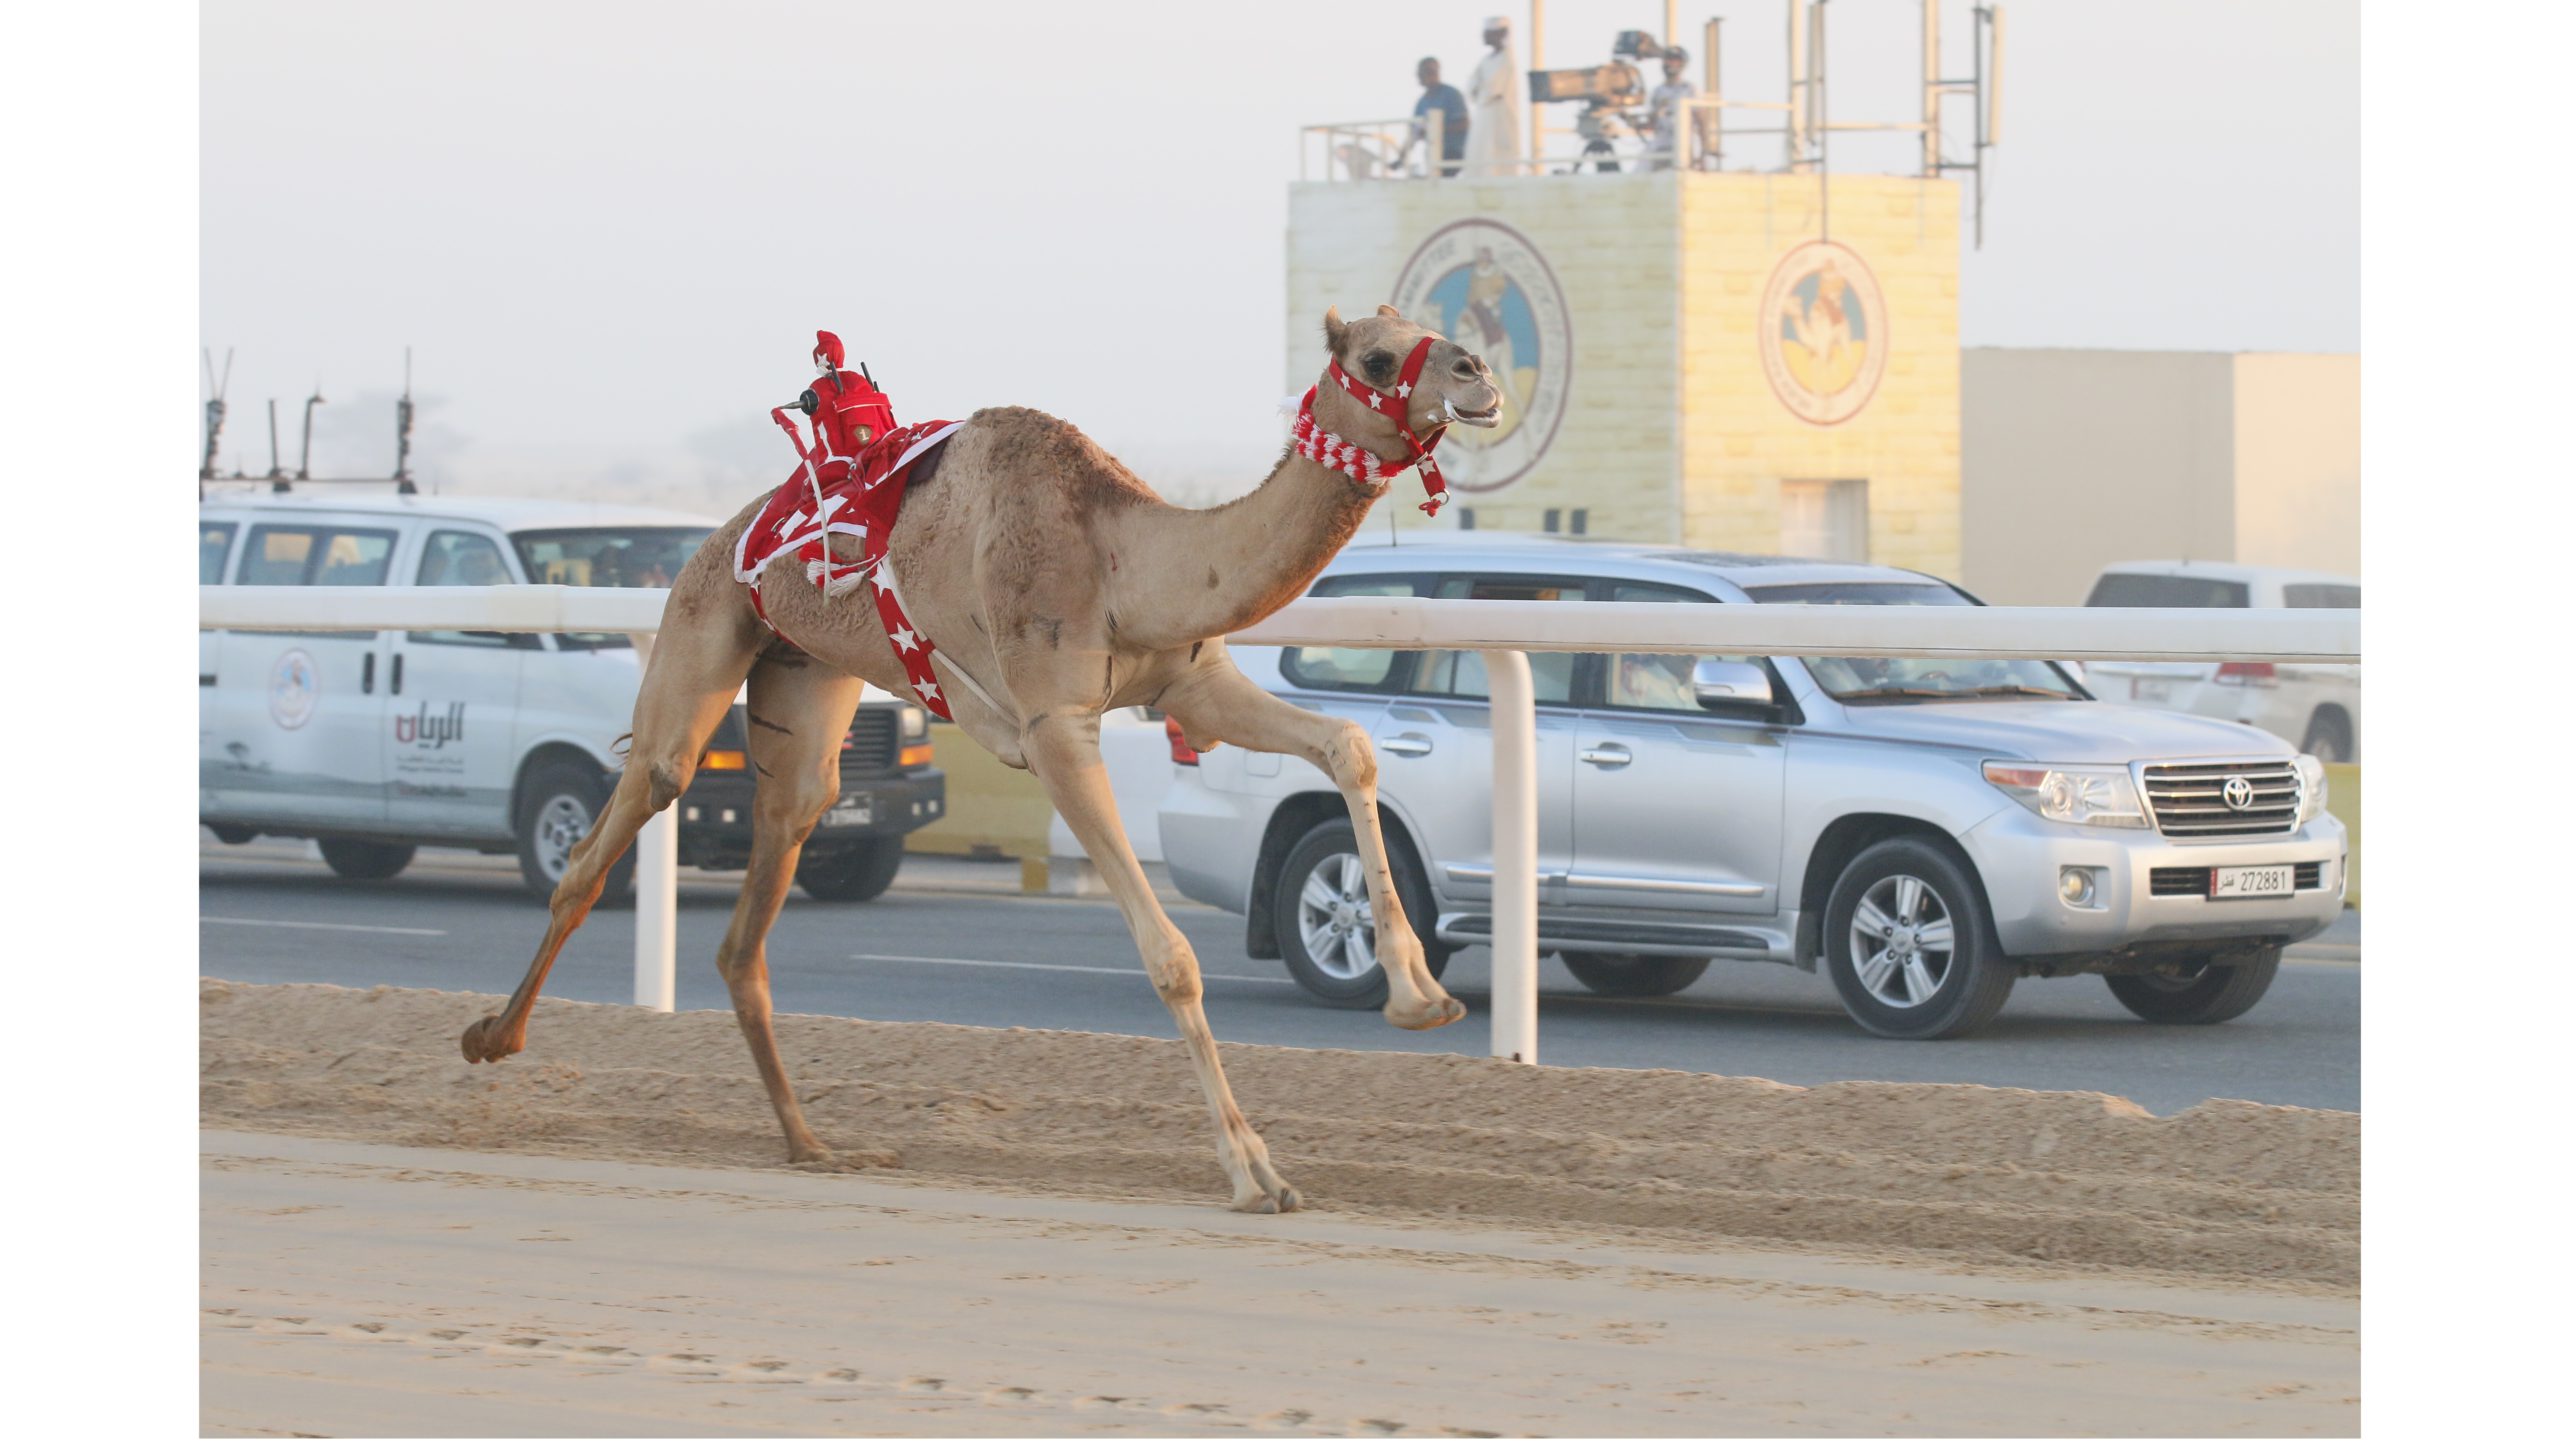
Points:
[1376,364]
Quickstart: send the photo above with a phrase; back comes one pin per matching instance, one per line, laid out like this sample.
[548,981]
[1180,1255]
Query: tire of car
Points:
[560,803]
[233,834]
[366,859]
[2327,740]
[861,872]
[1610,974]
[1908,942]
[1338,965]
[2204,994]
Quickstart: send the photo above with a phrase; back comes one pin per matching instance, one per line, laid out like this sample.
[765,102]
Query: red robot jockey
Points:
[851,479]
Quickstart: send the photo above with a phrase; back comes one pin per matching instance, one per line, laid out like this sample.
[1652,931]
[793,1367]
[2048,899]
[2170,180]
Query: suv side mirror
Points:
[1722,686]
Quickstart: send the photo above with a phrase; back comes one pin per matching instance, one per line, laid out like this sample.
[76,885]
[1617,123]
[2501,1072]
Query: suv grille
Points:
[871,745]
[2197,799]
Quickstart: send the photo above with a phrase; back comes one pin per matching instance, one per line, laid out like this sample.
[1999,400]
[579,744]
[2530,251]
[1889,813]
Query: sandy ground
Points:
[594,1237]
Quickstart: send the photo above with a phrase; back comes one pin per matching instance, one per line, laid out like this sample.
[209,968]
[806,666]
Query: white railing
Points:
[1376,150]
[1505,632]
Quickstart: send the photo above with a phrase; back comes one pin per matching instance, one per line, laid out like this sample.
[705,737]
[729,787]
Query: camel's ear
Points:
[1336,335]
[1386,311]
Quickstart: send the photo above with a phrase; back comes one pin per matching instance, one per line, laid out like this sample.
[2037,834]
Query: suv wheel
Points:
[1907,939]
[861,872]
[561,802]
[1611,974]
[365,859]
[2200,993]
[2327,741]
[1327,935]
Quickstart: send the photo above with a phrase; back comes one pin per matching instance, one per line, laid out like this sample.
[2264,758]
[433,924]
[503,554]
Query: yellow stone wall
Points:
[1670,428]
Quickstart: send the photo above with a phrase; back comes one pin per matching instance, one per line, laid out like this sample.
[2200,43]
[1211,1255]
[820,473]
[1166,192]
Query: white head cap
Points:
[1497,22]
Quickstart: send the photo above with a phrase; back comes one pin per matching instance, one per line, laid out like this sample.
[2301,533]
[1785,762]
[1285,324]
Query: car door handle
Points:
[1405,744]
[1607,756]
[395,672]
[368,672]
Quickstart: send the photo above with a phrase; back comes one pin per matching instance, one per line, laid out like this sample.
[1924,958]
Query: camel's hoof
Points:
[1427,1015]
[823,1160]
[480,1042]
[1263,1203]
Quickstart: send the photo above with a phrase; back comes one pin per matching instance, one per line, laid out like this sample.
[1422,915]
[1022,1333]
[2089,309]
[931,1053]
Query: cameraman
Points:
[1452,107]
[1664,115]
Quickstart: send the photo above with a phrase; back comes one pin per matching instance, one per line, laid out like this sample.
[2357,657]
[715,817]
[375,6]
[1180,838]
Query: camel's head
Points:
[1454,384]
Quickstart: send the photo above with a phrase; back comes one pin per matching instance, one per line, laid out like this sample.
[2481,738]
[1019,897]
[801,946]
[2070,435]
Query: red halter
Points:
[1391,403]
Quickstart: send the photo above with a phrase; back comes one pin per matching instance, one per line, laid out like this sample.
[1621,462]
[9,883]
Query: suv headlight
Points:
[2314,778]
[911,722]
[2072,794]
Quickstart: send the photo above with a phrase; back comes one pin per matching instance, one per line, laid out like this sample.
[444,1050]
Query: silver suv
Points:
[1927,830]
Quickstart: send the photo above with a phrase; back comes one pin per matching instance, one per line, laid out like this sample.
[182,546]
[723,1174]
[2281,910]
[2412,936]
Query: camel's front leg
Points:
[1065,752]
[1215,702]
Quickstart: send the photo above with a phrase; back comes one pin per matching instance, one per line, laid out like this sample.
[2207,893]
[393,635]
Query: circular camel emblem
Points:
[293,689]
[1483,286]
[1822,332]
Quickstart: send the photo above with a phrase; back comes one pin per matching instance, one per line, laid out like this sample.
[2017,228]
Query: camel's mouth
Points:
[1487,418]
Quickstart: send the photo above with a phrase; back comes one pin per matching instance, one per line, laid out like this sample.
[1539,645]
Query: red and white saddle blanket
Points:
[835,515]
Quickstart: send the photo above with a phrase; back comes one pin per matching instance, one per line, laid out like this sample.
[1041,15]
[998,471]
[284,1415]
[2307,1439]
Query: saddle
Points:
[839,507]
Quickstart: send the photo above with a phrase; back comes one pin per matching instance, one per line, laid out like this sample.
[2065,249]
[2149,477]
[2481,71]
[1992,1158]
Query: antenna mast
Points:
[408,413]
[213,411]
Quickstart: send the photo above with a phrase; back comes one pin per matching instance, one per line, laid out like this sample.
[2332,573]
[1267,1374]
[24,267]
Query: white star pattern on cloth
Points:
[928,689]
[1404,389]
[905,639]
[1377,399]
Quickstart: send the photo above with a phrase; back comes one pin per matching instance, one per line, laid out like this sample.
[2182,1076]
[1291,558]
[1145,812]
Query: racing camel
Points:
[1054,585]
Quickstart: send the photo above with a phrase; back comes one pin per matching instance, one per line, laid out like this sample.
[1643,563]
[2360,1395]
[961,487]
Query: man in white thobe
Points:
[1493,103]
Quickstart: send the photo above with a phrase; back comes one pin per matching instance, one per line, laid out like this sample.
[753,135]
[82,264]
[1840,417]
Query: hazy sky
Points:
[608,230]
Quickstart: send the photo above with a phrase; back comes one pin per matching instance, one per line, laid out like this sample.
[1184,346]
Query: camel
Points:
[1062,587]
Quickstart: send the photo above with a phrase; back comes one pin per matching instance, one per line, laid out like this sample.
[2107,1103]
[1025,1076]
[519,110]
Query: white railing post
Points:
[1515,855]
[653,955]
[653,888]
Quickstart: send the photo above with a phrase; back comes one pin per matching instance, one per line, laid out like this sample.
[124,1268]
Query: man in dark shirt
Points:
[1453,117]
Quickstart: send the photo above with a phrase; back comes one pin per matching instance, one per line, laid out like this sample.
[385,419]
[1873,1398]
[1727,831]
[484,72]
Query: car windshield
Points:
[606,558]
[1897,681]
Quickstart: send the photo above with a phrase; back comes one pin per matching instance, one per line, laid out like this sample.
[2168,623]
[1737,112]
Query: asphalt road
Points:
[951,943]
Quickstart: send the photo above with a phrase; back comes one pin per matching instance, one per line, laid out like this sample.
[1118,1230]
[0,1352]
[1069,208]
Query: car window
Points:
[1656,681]
[2324,595]
[606,558]
[1459,673]
[1881,681]
[213,550]
[1357,670]
[466,560]
[301,555]
[2166,590]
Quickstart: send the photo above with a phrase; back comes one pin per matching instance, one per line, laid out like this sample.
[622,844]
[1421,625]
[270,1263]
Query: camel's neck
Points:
[1205,573]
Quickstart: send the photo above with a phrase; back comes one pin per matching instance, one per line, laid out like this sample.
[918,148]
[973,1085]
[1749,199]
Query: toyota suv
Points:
[1923,830]
[374,743]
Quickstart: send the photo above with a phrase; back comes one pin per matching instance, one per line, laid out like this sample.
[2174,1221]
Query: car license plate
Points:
[2150,691]
[853,809]
[2236,881]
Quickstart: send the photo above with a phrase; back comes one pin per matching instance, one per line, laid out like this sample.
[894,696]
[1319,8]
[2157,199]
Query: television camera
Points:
[1607,92]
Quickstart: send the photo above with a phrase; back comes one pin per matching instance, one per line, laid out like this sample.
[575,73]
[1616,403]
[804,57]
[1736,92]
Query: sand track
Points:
[1950,1175]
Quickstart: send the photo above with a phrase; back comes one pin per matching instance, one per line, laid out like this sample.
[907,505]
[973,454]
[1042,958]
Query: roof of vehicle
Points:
[513,515]
[1545,550]
[2227,572]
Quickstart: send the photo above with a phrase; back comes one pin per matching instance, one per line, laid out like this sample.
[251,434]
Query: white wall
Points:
[2298,451]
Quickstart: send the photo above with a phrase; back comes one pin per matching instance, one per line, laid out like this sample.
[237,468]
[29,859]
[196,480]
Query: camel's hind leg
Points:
[689,684]
[1065,751]
[797,712]
[1215,702]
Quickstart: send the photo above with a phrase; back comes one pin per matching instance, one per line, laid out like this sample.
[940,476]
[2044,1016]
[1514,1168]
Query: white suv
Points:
[2316,706]
[375,743]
